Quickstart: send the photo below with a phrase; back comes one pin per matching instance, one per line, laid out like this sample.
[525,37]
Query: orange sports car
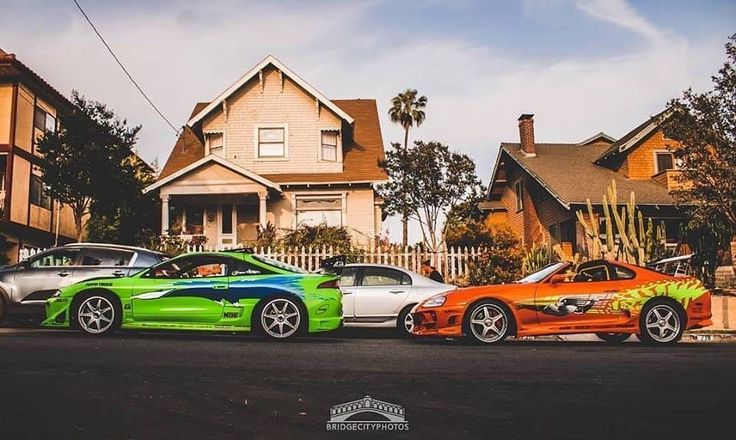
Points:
[611,299]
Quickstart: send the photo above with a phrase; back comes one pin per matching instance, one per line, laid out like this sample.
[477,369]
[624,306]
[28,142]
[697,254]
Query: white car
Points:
[379,295]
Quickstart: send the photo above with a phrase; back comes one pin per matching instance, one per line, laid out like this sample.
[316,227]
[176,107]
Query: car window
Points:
[593,273]
[623,273]
[240,268]
[381,276]
[347,276]
[145,259]
[55,258]
[105,257]
[196,266]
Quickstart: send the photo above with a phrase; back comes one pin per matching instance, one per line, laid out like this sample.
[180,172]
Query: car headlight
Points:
[435,301]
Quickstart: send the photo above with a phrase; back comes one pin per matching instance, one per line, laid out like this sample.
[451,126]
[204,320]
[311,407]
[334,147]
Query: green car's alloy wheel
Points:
[280,318]
[96,315]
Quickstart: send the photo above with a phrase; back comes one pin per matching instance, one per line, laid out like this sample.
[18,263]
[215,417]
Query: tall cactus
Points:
[635,243]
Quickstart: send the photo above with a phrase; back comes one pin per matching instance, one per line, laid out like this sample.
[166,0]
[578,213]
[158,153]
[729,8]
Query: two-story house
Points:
[536,188]
[28,107]
[271,149]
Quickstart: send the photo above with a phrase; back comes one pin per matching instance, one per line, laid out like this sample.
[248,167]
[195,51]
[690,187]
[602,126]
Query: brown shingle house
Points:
[536,188]
[272,149]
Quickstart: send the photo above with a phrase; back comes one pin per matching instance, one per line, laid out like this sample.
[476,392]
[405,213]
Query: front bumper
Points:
[57,312]
[438,321]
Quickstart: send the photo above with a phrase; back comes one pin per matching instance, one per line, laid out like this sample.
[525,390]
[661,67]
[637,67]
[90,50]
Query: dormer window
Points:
[329,146]
[216,144]
[664,160]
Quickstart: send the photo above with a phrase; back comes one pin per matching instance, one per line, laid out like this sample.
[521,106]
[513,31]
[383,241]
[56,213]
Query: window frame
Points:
[208,150]
[656,160]
[40,202]
[257,142]
[519,191]
[342,197]
[404,276]
[336,132]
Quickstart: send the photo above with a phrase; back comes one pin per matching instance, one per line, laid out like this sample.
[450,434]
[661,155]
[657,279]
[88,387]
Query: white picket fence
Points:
[453,263]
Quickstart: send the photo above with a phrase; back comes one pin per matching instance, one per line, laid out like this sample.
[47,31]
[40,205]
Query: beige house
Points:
[28,107]
[271,149]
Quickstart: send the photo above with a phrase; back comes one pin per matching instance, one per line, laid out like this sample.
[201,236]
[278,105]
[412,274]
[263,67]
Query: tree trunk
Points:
[405,216]
[78,227]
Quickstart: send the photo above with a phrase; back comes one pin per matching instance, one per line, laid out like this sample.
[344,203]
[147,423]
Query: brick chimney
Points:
[526,134]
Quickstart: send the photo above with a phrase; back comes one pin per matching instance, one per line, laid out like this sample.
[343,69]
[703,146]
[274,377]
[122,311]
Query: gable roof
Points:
[216,159]
[569,173]
[12,67]
[621,148]
[269,60]
[361,152]
[600,136]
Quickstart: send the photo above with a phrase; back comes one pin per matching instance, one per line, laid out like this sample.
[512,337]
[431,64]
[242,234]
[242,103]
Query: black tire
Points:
[613,338]
[402,327]
[491,318]
[662,321]
[264,308]
[83,308]
[3,308]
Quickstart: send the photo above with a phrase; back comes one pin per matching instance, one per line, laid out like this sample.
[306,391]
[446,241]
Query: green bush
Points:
[500,263]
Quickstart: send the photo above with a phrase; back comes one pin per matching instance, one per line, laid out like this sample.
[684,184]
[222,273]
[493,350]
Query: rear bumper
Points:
[438,321]
[324,324]
[699,312]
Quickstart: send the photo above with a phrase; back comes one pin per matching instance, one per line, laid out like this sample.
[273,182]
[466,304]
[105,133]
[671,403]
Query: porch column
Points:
[262,219]
[164,213]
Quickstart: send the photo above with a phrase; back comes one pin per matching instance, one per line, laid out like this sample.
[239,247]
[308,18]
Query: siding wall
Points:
[639,164]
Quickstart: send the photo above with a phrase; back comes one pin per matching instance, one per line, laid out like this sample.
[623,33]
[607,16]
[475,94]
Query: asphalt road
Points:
[58,384]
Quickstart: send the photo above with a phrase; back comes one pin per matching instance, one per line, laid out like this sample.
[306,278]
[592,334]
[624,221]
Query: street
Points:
[60,384]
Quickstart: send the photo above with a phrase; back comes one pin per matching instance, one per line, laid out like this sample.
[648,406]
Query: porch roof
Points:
[213,159]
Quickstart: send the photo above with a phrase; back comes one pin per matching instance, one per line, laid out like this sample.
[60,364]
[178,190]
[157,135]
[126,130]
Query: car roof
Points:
[112,246]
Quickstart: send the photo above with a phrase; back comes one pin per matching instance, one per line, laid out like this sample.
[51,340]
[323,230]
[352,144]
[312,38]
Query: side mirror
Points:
[557,278]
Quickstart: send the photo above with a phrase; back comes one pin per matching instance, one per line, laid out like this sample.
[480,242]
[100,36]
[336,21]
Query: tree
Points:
[440,179]
[466,223]
[88,159]
[704,124]
[407,110]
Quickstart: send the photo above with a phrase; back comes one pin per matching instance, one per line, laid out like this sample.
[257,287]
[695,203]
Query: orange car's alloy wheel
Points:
[489,323]
[662,324]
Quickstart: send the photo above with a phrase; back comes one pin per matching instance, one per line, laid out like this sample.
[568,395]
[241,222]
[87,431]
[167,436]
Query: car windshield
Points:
[279,264]
[542,273]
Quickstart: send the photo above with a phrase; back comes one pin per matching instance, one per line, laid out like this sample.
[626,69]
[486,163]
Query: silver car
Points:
[25,287]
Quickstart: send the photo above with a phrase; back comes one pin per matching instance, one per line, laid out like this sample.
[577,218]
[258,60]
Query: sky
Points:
[581,66]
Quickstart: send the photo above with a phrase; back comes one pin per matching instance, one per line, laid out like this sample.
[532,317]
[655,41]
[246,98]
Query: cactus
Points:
[635,243]
[536,258]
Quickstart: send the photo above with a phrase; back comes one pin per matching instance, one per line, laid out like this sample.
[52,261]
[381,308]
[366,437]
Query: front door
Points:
[226,229]
[189,289]
[380,294]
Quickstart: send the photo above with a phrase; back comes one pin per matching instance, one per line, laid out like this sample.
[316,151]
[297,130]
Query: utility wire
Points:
[120,63]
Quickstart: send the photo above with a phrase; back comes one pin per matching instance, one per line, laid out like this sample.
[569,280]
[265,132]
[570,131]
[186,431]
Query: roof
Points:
[216,159]
[620,149]
[113,246]
[361,153]
[569,173]
[10,66]
[598,137]
[269,60]
[491,205]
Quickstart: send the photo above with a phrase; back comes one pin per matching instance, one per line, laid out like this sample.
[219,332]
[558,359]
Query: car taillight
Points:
[331,284]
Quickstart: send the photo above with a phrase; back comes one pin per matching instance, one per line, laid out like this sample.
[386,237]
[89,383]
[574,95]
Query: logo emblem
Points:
[367,414]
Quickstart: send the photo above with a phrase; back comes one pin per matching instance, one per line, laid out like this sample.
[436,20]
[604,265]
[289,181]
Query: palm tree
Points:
[407,110]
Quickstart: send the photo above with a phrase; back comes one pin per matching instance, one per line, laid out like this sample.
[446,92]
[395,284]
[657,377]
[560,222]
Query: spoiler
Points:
[333,264]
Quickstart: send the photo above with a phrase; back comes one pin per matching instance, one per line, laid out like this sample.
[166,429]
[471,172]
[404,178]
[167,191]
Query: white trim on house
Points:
[207,142]
[656,164]
[257,71]
[217,159]
[257,142]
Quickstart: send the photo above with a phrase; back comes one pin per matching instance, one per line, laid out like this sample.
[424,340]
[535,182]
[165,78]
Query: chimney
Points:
[526,134]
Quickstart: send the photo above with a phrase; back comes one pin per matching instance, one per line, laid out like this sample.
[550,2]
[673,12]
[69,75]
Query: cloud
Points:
[621,13]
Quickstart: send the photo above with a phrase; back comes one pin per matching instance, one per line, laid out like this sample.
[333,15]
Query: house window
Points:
[271,142]
[316,210]
[216,144]
[665,161]
[519,190]
[43,121]
[194,220]
[38,195]
[329,146]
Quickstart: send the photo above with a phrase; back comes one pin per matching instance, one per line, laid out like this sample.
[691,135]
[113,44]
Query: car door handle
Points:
[119,273]
[63,273]
[219,286]
[396,291]
[347,292]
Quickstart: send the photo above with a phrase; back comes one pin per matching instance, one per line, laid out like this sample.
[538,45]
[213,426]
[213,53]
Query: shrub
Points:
[500,263]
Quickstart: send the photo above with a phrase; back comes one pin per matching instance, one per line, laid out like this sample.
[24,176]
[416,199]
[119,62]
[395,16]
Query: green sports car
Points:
[229,291]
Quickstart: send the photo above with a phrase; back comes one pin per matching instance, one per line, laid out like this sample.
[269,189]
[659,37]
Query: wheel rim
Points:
[488,323]
[96,314]
[408,323]
[663,323]
[280,318]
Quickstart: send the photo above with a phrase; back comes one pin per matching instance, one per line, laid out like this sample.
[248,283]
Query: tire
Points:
[613,338]
[96,313]
[280,318]
[661,322]
[405,323]
[488,322]
[3,308]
